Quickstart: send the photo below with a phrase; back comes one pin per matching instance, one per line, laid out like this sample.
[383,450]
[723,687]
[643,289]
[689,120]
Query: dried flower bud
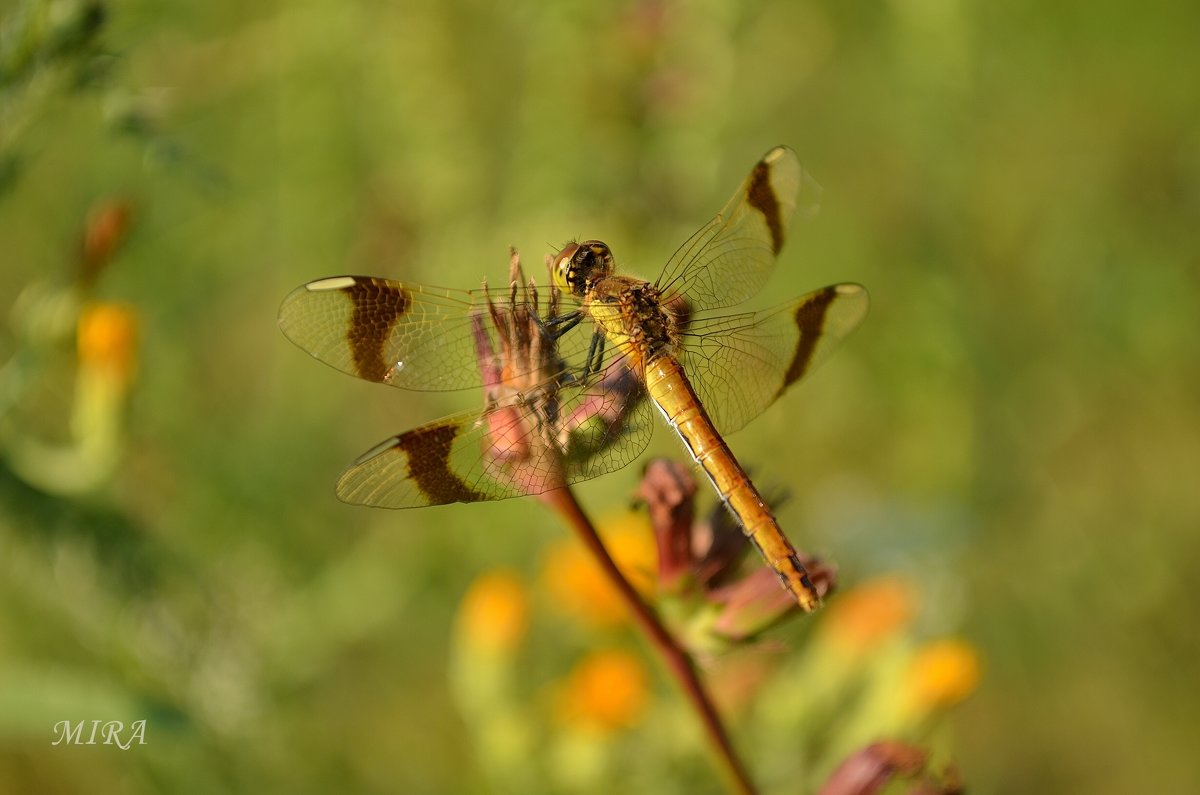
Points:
[105,230]
[669,490]
[869,770]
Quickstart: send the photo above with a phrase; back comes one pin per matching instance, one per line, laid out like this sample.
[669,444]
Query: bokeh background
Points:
[1013,435]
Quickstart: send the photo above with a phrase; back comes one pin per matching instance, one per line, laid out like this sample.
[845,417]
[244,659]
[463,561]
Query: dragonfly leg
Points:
[554,327]
[547,412]
[595,355]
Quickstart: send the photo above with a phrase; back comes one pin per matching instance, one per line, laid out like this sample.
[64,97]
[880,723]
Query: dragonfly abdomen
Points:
[673,394]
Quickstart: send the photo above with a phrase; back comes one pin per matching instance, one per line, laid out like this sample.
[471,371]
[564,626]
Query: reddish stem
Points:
[679,663]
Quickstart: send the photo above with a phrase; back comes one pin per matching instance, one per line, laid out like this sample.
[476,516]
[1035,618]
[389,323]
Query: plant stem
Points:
[679,663]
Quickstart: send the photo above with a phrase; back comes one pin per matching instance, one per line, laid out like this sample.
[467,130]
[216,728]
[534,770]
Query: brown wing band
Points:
[377,307]
[810,318]
[428,451]
[761,197]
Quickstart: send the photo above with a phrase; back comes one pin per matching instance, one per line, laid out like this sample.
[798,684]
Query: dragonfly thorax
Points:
[634,316]
[579,266]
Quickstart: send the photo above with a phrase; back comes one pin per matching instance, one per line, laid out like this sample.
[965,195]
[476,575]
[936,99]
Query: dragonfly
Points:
[609,347]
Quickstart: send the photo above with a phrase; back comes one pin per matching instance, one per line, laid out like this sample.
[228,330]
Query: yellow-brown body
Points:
[633,317]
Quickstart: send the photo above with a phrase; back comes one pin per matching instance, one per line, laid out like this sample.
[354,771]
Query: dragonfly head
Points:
[580,265]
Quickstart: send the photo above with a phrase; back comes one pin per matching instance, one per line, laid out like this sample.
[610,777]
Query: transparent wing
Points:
[729,259]
[525,447]
[739,364]
[406,335]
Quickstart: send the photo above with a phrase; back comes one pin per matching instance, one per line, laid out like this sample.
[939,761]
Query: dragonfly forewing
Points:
[730,258]
[406,335]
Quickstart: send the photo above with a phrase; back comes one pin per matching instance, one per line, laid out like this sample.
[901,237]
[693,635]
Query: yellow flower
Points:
[106,341]
[494,613]
[941,675]
[608,690]
[864,617]
[576,584]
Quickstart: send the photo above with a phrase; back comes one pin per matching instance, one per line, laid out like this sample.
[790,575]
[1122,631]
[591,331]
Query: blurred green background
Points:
[1015,429]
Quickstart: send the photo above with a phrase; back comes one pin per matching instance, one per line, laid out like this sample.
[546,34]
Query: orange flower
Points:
[607,691]
[106,341]
[494,613]
[577,585]
[941,675]
[867,615]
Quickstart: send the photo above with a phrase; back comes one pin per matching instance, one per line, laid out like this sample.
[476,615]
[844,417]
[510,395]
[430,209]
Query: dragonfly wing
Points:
[739,364]
[606,425]
[525,447]
[406,335]
[729,258]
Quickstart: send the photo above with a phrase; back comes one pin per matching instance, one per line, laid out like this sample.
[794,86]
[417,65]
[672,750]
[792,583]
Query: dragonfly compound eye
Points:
[593,261]
[581,265]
